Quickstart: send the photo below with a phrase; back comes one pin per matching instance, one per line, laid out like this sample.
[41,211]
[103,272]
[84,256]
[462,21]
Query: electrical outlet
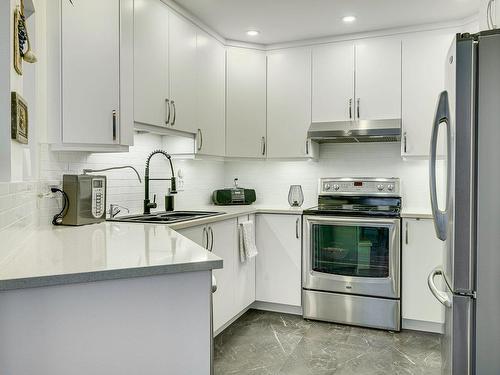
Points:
[180,180]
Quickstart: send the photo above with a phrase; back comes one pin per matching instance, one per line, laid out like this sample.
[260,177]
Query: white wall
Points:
[272,179]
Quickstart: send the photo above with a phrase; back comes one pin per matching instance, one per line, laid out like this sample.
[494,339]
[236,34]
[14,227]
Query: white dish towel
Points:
[248,249]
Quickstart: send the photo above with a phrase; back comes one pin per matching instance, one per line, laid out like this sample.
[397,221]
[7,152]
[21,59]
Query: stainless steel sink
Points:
[166,217]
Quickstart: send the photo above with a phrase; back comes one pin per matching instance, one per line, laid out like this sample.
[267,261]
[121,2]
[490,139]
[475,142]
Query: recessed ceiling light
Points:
[348,19]
[253,32]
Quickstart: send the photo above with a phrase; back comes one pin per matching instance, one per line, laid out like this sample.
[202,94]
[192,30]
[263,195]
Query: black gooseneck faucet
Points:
[148,205]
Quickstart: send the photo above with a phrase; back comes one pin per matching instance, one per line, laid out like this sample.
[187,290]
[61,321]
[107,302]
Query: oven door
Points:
[352,255]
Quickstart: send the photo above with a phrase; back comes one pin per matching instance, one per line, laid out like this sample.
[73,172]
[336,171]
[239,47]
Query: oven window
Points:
[350,250]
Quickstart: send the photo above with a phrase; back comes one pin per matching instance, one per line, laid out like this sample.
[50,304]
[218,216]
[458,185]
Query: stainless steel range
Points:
[351,269]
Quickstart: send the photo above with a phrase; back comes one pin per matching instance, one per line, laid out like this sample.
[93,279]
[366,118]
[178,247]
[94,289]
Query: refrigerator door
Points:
[457,341]
[456,111]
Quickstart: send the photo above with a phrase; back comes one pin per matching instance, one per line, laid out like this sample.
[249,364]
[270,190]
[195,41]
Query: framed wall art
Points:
[19,118]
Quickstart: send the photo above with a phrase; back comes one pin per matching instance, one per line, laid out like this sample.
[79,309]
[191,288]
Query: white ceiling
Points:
[288,20]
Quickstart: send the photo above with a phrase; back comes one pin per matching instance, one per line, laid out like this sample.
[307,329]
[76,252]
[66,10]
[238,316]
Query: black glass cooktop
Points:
[356,206]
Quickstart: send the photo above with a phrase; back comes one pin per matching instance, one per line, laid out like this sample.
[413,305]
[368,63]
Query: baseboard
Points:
[232,320]
[277,307]
[420,325]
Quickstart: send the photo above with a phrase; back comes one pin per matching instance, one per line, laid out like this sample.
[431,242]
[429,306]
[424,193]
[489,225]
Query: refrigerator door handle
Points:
[442,117]
[442,297]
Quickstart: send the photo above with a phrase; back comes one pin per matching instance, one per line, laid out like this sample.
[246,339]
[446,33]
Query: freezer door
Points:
[457,341]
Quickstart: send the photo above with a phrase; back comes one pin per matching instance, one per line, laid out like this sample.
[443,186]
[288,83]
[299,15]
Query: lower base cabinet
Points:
[278,277]
[422,252]
[236,280]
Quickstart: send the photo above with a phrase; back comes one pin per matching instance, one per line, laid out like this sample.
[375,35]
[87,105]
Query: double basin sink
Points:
[166,217]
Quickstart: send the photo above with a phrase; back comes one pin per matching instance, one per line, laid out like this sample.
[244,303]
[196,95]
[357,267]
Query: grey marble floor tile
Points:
[267,343]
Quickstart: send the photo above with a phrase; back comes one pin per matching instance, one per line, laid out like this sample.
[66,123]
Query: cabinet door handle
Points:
[404,142]
[357,107]
[307,147]
[211,239]
[263,145]
[350,108]
[204,240]
[114,125]
[406,233]
[167,104]
[297,222]
[200,138]
[175,113]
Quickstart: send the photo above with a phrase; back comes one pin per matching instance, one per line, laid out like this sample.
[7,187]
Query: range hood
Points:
[355,131]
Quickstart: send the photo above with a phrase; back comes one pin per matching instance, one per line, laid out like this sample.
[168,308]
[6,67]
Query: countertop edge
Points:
[119,273]
[416,215]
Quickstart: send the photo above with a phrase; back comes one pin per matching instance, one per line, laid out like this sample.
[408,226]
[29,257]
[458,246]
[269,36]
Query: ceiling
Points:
[287,20]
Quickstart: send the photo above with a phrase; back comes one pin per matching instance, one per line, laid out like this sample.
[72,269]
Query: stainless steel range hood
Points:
[355,131]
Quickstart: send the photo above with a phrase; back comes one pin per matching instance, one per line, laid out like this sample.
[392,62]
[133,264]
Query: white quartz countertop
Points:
[64,255]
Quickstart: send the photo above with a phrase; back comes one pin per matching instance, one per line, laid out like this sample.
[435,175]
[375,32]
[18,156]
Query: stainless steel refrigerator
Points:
[468,112]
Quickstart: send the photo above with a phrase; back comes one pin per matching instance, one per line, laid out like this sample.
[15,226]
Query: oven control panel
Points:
[359,186]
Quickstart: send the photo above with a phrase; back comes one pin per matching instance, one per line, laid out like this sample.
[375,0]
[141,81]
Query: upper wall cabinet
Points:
[245,103]
[182,67]
[378,79]
[211,94]
[424,61]
[90,74]
[164,68]
[333,82]
[151,80]
[289,103]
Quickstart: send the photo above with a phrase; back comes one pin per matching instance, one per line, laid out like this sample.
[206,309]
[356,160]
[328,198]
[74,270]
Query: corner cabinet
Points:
[236,280]
[424,66]
[279,241]
[421,253]
[90,75]
[245,103]
[289,104]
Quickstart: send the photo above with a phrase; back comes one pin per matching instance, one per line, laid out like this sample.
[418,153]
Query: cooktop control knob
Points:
[390,187]
[327,186]
[380,187]
[336,187]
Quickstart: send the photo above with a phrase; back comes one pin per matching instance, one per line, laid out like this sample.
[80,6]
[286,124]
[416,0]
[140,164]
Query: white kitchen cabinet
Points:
[424,63]
[222,243]
[244,273]
[278,276]
[182,73]
[289,103]
[245,103]
[378,79]
[333,82]
[95,111]
[210,96]
[422,252]
[151,80]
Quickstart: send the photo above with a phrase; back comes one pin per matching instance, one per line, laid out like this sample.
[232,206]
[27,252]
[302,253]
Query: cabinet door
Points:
[91,72]
[245,103]
[378,79]
[224,239]
[150,62]
[288,103]
[422,252]
[333,82]
[211,95]
[424,61]
[278,276]
[182,66]
[244,273]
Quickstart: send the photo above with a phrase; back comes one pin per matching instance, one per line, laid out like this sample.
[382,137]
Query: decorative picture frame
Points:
[19,118]
[18,59]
